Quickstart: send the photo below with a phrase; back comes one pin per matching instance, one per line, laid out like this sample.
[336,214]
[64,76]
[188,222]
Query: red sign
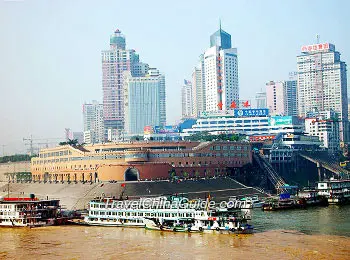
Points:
[220,105]
[315,47]
[19,199]
[246,104]
[233,105]
[148,130]
[258,138]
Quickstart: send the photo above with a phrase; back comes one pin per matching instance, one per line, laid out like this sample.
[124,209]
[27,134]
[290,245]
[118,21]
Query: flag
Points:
[187,82]
[233,105]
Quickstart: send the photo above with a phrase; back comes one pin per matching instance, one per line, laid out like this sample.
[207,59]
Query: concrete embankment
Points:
[77,195]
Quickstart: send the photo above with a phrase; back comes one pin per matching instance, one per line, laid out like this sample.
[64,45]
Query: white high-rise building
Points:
[215,79]
[221,78]
[322,83]
[186,98]
[198,88]
[144,101]
[93,122]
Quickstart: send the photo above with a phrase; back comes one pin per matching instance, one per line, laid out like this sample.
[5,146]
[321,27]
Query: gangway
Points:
[276,180]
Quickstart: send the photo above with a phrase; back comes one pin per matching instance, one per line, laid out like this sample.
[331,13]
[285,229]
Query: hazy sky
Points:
[50,51]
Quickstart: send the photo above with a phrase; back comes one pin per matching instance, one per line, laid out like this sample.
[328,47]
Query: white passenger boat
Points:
[164,215]
[253,202]
[131,213]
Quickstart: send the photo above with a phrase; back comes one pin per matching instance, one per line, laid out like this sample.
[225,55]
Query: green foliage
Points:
[197,174]
[205,136]
[72,142]
[15,158]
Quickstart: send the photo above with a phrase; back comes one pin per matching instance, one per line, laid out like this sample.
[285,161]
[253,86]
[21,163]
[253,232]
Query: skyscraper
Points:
[144,101]
[220,73]
[275,97]
[115,61]
[290,95]
[198,88]
[322,83]
[186,98]
[93,122]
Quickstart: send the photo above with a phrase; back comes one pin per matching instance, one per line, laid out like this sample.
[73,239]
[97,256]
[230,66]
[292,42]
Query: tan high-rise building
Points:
[322,83]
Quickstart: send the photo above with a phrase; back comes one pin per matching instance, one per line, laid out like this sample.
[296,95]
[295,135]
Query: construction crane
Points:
[3,149]
[35,141]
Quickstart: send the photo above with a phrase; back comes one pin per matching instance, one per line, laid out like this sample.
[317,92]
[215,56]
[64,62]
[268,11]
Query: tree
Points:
[197,174]
[16,158]
[185,174]
[71,142]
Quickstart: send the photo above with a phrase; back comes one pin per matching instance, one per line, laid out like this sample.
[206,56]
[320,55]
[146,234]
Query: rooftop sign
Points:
[238,112]
[251,112]
[318,47]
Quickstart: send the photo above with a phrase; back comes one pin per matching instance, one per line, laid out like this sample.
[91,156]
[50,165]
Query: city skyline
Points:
[51,62]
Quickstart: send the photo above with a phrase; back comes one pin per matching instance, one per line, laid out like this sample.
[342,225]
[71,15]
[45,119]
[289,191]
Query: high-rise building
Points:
[290,95]
[260,99]
[115,61]
[144,101]
[220,73]
[198,88]
[322,83]
[186,98]
[275,97]
[93,122]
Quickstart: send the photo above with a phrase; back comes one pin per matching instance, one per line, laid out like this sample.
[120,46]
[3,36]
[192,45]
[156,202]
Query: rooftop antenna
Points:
[220,24]
[317,38]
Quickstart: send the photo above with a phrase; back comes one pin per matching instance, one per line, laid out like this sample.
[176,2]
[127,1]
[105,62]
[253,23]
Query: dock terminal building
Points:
[132,161]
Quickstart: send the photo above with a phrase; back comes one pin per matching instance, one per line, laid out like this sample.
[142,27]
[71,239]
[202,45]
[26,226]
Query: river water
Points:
[318,233]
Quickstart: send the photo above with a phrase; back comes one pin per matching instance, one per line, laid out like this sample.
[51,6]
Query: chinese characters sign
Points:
[251,112]
[317,47]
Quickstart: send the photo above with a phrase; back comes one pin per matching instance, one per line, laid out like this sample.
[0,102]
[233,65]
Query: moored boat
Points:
[253,201]
[29,212]
[336,191]
[163,214]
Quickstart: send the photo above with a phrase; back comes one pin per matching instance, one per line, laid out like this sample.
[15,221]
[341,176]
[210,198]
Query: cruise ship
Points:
[167,214]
